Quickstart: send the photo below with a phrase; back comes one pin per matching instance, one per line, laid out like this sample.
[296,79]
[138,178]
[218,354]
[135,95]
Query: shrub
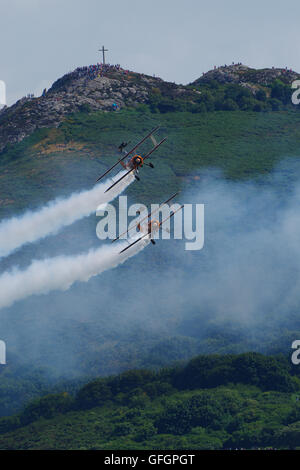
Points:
[47,407]
[93,394]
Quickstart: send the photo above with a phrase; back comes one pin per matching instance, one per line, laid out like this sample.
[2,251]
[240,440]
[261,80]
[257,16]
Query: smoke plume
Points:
[60,273]
[240,292]
[32,226]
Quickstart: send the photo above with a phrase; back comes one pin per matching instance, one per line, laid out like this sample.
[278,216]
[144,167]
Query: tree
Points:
[261,95]
[93,394]
[230,105]
[47,407]
[289,436]
[281,92]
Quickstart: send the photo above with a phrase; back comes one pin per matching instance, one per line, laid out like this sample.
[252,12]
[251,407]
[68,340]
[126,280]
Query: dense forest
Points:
[212,402]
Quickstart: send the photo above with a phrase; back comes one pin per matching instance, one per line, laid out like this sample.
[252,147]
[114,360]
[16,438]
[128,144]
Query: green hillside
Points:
[235,118]
[56,161]
[213,402]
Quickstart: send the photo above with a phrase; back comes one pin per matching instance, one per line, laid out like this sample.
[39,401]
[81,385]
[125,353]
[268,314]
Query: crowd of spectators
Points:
[98,70]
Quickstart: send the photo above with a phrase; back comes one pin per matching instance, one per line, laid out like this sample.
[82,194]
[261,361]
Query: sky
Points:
[176,40]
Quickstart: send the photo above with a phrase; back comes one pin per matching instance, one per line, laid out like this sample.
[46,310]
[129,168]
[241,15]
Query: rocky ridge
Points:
[248,77]
[115,89]
[73,93]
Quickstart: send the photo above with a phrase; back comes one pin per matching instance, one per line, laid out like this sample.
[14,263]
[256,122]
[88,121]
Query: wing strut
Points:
[120,179]
[128,153]
[147,216]
[129,246]
[154,148]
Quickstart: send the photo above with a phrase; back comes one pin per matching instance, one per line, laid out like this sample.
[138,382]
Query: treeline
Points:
[137,388]
[20,384]
[230,97]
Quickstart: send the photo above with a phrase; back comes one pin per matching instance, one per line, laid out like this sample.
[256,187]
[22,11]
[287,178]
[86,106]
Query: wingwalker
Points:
[134,162]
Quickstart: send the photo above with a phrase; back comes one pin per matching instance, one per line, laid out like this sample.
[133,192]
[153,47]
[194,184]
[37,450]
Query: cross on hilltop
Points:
[103,50]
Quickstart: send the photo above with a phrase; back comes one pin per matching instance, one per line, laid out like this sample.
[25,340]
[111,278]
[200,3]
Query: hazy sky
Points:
[174,39]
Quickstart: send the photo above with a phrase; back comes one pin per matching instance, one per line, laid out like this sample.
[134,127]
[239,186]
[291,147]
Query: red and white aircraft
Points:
[132,163]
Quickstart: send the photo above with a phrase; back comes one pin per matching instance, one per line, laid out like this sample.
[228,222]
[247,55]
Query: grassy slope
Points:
[51,163]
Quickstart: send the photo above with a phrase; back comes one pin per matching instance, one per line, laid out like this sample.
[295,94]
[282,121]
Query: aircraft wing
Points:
[173,213]
[154,148]
[120,179]
[111,168]
[143,140]
[128,153]
[147,216]
[145,235]
[135,241]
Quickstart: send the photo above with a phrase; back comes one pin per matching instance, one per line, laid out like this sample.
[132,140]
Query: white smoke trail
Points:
[57,214]
[60,273]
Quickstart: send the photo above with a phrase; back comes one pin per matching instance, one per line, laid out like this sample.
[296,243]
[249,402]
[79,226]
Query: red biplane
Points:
[151,226]
[132,163]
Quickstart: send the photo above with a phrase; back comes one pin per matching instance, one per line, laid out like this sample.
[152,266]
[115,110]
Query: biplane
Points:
[132,161]
[151,226]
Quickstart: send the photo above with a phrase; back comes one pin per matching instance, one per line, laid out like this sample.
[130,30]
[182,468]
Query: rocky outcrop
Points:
[96,88]
[73,93]
[243,75]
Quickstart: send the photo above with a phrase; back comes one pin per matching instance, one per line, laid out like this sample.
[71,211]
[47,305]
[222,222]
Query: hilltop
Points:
[247,76]
[85,89]
[111,88]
